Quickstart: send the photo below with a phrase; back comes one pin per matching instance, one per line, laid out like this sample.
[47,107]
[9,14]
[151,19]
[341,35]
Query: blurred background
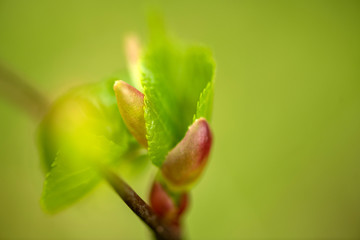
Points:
[286,159]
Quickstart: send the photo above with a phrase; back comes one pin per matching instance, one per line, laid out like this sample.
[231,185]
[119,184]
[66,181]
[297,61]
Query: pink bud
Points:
[164,205]
[186,161]
[183,204]
[131,106]
[160,201]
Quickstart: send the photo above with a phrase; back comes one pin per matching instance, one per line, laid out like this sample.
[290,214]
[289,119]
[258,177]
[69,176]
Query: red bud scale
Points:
[186,161]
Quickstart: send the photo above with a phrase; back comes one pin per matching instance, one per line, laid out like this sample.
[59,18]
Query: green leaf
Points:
[64,186]
[173,77]
[86,109]
[74,171]
[205,103]
[82,130]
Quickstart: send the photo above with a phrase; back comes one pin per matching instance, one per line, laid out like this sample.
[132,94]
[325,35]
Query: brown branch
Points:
[16,90]
[161,229]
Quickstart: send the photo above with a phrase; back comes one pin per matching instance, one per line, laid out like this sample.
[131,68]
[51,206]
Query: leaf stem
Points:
[161,229]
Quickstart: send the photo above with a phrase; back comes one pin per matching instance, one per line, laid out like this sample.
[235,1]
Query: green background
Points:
[286,121]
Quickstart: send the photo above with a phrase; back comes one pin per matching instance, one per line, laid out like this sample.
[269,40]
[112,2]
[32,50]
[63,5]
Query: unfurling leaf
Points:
[82,130]
[205,103]
[186,161]
[173,78]
[74,171]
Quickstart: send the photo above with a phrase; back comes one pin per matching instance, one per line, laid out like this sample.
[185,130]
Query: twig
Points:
[17,91]
[162,230]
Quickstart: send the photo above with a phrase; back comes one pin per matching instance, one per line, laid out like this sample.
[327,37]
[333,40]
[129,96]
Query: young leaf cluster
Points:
[84,131]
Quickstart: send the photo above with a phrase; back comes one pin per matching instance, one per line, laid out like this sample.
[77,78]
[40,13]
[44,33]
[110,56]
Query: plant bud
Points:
[131,106]
[164,205]
[183,204]
[161,202]
[185,162]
